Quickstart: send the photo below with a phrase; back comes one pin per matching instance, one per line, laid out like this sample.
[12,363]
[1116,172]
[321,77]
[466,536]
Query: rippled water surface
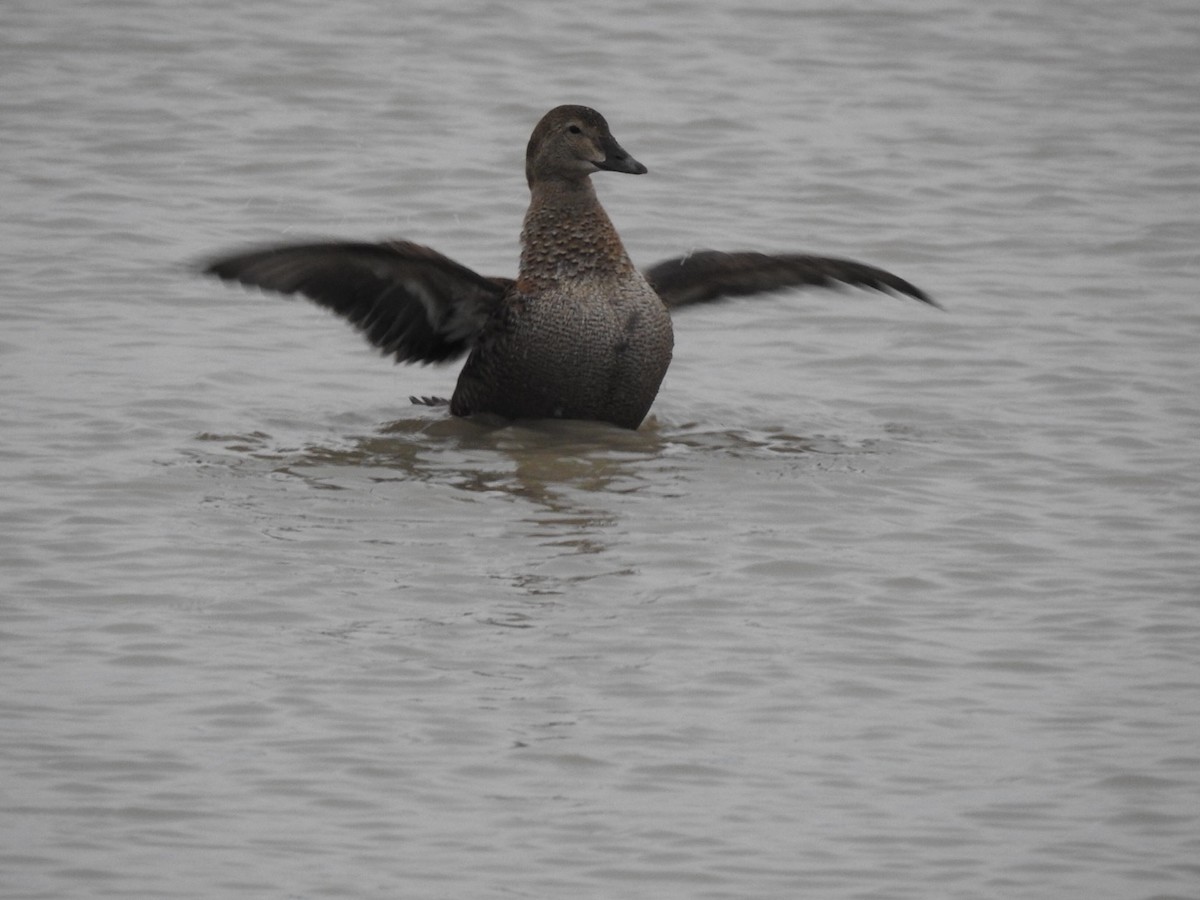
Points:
[882,602]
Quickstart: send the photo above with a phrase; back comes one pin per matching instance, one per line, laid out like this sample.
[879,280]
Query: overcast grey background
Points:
[883,602]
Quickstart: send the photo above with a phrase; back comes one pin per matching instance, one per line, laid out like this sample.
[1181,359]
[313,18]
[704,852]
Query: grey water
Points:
[882,602]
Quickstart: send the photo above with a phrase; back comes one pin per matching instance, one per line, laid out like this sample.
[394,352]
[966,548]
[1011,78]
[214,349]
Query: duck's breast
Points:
[594,349]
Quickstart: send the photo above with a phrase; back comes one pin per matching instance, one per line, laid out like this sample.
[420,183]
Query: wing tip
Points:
[916,293]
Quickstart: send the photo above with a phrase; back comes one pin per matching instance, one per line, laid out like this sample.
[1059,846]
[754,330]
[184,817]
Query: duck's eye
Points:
[574,129]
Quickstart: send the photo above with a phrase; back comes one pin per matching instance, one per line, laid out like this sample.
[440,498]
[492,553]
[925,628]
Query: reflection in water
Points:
[563,474]
[541,462]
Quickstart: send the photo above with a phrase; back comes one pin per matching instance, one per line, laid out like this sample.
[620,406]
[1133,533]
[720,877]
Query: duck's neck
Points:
[568,236]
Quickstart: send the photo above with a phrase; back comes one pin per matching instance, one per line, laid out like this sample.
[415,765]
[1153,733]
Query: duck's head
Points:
[572,142]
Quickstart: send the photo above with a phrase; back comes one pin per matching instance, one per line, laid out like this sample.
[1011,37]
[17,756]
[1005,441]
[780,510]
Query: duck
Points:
[580,333]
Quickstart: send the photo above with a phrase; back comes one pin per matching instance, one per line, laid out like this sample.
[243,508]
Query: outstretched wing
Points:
[411,302]
[710,275]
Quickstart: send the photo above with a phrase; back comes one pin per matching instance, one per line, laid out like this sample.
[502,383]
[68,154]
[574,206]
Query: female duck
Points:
[580,333]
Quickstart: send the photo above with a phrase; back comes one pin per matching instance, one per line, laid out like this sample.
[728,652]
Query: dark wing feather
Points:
[409,301]
[710,275]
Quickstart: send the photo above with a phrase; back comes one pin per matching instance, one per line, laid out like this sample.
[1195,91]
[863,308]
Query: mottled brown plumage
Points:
[580,333]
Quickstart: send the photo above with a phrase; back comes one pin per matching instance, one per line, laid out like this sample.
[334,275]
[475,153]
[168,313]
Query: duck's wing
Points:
[409,301]
[710,275]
